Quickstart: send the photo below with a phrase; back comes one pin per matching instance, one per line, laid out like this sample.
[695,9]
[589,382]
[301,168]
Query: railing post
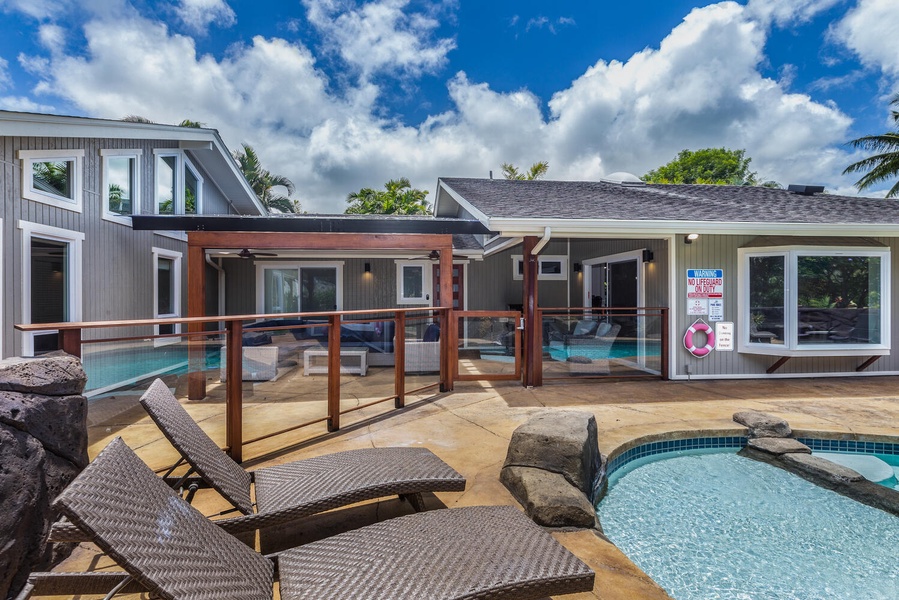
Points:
[399,354]
[234,389]
[70,341]
[333,372]
[446,339]
[665,365]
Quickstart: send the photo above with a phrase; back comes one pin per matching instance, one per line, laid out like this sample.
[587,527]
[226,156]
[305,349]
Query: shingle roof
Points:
[500,198]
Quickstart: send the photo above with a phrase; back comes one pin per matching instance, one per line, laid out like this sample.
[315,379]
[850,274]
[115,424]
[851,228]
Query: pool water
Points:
[711,524]
[110,369]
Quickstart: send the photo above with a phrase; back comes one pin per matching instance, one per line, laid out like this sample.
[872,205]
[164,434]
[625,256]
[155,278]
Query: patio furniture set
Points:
[168,548]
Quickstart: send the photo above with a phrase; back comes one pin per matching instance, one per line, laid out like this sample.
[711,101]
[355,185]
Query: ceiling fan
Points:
[245,253]
[435,255]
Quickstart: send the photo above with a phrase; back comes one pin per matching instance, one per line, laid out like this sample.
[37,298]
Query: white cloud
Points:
[38,9]
[380,36]
[52,37]
[870,30]
[22,104]
[198,15]
[700,88]
[4,74]
[786,12]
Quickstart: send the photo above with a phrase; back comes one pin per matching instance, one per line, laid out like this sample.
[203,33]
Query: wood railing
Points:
[72,338]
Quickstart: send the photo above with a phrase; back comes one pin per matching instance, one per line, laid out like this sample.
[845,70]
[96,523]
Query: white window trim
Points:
[108,215]
[176,257]
[261,266]
[29,157]
[182,163]
[427,291]
[790,347]
[75,240]
[563,276]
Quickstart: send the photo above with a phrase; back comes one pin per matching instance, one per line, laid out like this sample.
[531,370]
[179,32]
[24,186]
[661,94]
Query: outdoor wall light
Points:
[576,267]
[368,267]
[647,256]
[690,237]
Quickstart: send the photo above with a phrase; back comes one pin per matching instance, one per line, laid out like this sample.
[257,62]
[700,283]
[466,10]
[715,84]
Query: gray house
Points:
[69,187]
[787,282]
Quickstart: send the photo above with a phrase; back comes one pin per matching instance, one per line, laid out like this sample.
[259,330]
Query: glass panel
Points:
[766,299]
[49,281]
[839,299]
[191,191]
[319,289]
[165,286]
[165,184]
[413,282]
[120,182]
[54,178]
[282,291]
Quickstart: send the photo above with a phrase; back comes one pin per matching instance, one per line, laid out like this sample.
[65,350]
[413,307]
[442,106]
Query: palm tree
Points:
[885,164]
[537,170]
[262,182]
[399,198]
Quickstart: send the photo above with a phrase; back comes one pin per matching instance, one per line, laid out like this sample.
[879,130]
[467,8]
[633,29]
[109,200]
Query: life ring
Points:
[702,351]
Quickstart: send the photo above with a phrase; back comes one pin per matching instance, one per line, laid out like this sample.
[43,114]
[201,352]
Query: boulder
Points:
[763,425]
[563,442]
[821,469]
[43,446]
[548,498]
[56,374]
[779,446]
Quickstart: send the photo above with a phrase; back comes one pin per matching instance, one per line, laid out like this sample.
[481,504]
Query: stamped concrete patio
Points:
[471,427]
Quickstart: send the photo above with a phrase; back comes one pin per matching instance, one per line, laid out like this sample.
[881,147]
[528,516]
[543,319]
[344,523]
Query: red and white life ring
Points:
[702,351]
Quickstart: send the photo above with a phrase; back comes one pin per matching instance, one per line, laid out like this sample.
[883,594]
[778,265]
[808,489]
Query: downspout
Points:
[221,285]
[547,234]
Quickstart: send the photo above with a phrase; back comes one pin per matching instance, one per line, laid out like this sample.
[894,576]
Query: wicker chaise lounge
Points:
[301,488]
[171,550]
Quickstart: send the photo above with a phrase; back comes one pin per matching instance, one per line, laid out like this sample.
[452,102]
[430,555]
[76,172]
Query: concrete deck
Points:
[471,427]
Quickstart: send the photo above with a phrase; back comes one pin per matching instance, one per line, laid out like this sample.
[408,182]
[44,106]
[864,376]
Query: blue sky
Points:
[339,94]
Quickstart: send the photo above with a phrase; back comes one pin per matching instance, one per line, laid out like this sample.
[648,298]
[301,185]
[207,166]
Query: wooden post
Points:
[234,389]
[333,372]
[531,373]
[399,354]
[70,341]
[196,307]
[446,337]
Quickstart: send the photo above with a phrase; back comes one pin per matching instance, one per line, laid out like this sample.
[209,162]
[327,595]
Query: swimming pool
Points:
[706,523]
[112,369]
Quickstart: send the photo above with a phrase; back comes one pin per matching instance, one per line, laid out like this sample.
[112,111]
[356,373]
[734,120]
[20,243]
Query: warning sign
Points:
[705,283]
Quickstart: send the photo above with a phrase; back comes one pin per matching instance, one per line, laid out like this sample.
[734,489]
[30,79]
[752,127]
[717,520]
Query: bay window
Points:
[815,301]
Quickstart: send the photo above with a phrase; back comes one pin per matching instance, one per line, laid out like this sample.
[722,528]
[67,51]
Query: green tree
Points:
[718,166]
[398,198]
[881,166]
[263,182]
[537,170]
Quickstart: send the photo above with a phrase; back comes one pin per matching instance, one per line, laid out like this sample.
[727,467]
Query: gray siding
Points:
[117,261]
[720,252]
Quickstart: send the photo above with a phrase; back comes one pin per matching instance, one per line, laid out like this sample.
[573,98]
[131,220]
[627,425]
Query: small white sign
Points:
[716,309]
[698,306]
[724,336]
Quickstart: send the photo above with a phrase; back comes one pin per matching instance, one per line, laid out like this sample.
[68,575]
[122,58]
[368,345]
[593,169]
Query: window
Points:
[121,184]
[51,282]
[166,292]
[179,186]
[548,267]
[53,177]
[815,301]
[413,282]
[299,287]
